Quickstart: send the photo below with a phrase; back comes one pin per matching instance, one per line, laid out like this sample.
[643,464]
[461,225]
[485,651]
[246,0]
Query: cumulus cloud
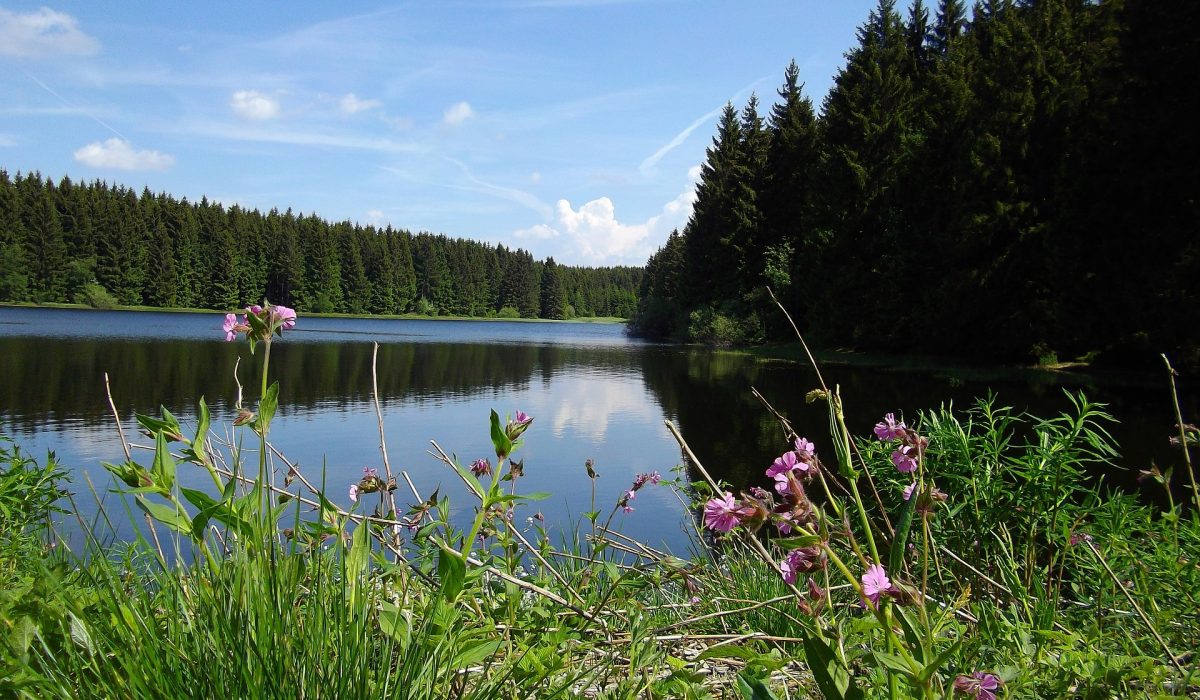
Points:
[375,217]
[254,105]
[119,154]
[458,113]
[351,104]
[43,32]
[598,237]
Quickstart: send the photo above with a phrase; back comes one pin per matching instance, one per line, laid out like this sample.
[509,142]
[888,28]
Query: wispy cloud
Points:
[69,106]
[119,154]
[512,194]
[43,32]
[458,113]
[351,104]
[254,105]
[7,141]
[295,137]
[649,163]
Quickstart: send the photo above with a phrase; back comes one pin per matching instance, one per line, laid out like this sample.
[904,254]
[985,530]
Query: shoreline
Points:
[388,317]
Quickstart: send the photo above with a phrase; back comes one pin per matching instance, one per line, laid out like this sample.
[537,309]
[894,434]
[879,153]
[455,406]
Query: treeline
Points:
[105,244]
[1020,180]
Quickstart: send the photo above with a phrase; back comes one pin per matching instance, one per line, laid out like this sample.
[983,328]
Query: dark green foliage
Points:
[104,245]
[1010,182]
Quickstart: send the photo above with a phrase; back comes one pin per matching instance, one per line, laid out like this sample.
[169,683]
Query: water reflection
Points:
[594,393]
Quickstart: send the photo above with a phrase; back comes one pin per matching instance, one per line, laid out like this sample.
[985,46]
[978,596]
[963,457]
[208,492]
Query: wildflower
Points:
[234,325]
[889,428]
[805,450]
[982,686]
[284,316]
[722,514]
[626,509]
[908,490]
[646,478]
[1077,537]
[814,601]
[875,582]
[481,467]
[905,458]
[590,465]
[518,425]
[782,465]
[801,561]
[354,493]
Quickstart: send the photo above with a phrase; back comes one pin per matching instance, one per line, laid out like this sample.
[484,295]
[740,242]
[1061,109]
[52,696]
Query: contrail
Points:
[682,136]
[73,106]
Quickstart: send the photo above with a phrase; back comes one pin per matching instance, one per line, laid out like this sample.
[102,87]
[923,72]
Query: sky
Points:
[570,128]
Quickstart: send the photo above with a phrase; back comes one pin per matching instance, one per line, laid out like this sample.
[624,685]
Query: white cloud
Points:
[350,104]
[458,113]
[375,217]
[119,154]
[43,32]
[535,177]
[539,231]
[597,237]
[252,104]
[7,141]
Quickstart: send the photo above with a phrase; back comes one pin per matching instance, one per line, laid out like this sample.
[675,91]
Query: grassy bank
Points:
[941,556]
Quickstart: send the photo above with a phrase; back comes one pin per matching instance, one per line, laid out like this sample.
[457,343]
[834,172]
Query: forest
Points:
[104,244]
[1017,181]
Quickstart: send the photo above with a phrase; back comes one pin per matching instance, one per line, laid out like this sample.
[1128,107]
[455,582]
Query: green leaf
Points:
[895,663]
[830,674]
[471,480]
[535,496]
[173,518]
[266,408]
[394,623]
[452,570]
[790,543]
[927,672]
[754,688]
[499,438]
[474,653]
[196,450]
[356,563]
[163,469]
[903,526]
[199,499]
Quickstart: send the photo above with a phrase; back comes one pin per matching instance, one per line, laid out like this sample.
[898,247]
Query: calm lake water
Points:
[594,392]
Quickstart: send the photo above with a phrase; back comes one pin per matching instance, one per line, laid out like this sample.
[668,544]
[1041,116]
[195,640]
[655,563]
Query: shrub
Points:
[96,296]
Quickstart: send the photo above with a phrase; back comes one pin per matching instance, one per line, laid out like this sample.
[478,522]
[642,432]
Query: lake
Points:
[593,391]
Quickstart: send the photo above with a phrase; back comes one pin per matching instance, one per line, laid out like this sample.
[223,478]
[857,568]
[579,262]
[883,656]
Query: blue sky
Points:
[571,128]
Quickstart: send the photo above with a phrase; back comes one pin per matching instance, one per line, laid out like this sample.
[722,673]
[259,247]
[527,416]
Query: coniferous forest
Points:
[104,244]
[1011,181]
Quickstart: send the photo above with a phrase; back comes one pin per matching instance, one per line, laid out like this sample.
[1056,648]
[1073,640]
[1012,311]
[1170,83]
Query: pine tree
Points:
[554,294]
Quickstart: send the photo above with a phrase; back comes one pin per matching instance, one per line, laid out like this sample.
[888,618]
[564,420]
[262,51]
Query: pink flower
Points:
[721,514]
[782,464]
[354,493]
[232,326]
[889,428]
[982,686]
[626,509]
[284,315]
[523,418]
[800,561]
[646,478]
[905,458]
[481,467]
[805,450]
[875,582]
[908,490]
[782,485]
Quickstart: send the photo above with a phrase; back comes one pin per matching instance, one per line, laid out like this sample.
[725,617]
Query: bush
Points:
[96,296]
[508,312]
